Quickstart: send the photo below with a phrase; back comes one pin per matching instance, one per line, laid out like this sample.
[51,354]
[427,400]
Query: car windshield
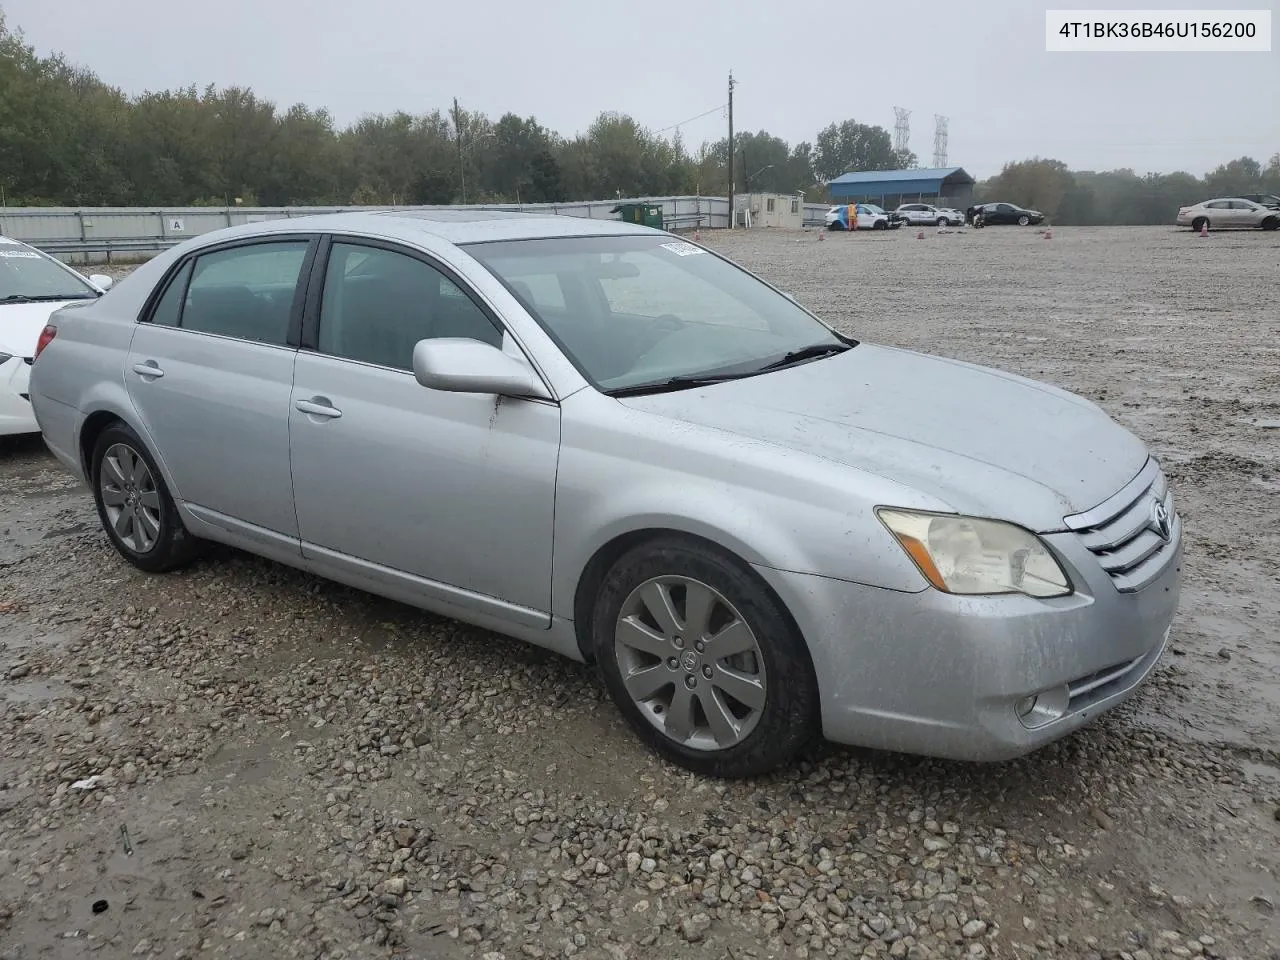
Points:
[637,311]
[27,275]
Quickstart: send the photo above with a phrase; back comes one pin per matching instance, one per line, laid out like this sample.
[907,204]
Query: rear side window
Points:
[243,292]
[168,311]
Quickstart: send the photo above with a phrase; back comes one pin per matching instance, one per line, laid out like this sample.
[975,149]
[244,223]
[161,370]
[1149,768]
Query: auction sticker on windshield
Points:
[682,249]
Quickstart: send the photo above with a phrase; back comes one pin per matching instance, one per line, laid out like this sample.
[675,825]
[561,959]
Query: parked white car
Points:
[870,217]
[926,214]
[1225,213]
[32,286]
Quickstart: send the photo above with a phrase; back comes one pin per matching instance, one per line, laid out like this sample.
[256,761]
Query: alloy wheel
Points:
[690,662]
[130,497]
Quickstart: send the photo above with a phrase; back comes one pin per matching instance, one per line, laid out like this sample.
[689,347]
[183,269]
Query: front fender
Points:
[768,506]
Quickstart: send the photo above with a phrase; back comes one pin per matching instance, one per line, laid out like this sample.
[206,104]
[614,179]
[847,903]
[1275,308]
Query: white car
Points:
[870,217]
[32,286]
[926,214]
[1227,212]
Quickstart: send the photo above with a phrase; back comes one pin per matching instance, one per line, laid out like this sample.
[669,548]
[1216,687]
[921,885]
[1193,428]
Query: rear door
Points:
[210,371]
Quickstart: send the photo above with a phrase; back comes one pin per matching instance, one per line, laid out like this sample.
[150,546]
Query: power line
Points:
[691,119]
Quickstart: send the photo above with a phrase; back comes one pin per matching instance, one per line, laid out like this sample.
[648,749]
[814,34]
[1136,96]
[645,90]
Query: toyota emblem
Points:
[1160,521]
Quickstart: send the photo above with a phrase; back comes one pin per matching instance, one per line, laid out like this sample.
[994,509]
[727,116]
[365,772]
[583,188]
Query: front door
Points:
[449,493]
[210,371]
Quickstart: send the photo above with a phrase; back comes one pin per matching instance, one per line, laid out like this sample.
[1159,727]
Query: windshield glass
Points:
[26,274]
[636,310]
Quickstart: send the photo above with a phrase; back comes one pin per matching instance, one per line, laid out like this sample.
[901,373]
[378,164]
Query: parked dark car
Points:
[984,214]
[1263,199]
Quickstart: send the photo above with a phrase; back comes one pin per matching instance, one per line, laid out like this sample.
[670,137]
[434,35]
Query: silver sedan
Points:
[605,440]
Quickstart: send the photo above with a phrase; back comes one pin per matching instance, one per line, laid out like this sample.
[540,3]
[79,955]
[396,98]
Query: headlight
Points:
[5,358]
[969,556]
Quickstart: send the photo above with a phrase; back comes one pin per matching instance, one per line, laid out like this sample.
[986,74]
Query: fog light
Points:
[1043,708]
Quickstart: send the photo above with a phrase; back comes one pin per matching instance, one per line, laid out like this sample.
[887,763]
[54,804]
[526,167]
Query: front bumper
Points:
[939,675]
[16,416]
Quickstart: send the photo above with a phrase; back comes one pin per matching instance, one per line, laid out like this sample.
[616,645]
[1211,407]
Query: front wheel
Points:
[1271,223]
[703,661]
[1023,221]
[134,504]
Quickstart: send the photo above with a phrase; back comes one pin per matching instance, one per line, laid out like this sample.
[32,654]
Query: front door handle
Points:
[149,369]
[319,407]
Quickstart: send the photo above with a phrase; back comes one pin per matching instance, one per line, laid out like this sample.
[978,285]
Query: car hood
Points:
[21,323]
[980,440]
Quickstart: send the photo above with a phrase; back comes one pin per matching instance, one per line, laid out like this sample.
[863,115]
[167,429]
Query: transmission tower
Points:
[940,141]
[901,130]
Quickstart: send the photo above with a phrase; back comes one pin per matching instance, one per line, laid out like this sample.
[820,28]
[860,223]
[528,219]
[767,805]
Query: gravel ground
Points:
[280,767]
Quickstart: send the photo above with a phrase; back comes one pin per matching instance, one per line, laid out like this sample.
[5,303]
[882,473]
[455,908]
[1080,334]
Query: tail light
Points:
[46,338]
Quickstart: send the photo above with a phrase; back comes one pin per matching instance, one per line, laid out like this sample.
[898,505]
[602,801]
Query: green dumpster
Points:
[647,214]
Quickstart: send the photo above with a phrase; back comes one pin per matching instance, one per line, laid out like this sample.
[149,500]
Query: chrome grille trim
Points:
[1119,531]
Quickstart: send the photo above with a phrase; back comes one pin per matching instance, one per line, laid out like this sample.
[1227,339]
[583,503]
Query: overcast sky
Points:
[982,63]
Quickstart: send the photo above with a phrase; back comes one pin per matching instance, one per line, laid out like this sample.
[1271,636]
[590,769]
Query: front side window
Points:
[244,292]
[642,309]
[27,275]
[379,303]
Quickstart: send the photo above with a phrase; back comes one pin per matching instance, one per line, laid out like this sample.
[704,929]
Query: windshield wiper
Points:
[682,382]
[44,297]
[811,352]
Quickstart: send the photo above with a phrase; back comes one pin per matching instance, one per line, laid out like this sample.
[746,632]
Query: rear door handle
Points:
[149,369]
[319,407]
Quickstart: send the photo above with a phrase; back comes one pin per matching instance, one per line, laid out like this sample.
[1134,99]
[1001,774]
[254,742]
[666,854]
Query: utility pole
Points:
[462,169]
[731,210]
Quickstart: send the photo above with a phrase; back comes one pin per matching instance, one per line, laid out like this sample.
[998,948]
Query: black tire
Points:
[790,720]
[834,225]
[943,222]
[1023,221]
[1199,223]
[173,547]
[1271,223]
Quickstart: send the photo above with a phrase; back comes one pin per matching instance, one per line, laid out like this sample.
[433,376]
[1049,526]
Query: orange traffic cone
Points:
[920,235]
[822,235]
[1048,234]
[1204,229]
[697,234]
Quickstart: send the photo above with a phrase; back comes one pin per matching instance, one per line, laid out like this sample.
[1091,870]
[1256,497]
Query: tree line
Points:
[69,139]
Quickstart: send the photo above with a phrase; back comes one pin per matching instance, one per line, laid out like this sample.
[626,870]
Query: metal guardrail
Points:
[96,234]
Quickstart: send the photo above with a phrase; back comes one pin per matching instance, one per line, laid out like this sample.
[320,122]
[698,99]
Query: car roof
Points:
[458,226]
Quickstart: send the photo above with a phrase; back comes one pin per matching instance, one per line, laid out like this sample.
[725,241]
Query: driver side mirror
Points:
[461,365]
[101,281]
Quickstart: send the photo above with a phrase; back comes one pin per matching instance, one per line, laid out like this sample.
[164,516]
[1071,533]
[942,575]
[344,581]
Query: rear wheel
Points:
[134,505]
[1199,223]
[703,661]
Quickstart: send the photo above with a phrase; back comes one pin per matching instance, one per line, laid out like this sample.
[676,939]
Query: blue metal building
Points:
[944,186]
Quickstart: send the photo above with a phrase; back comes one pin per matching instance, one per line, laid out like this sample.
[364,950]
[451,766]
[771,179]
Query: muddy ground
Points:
[288,768]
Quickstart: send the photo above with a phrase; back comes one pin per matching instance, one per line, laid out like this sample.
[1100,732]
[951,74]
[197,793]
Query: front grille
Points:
[1124,532]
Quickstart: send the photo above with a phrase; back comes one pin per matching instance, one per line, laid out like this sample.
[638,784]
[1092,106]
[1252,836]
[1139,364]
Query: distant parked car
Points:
[1266,199]
[870,217]
[1226,213]
[621,446]
[991,214]
[32,286]
[925,214]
